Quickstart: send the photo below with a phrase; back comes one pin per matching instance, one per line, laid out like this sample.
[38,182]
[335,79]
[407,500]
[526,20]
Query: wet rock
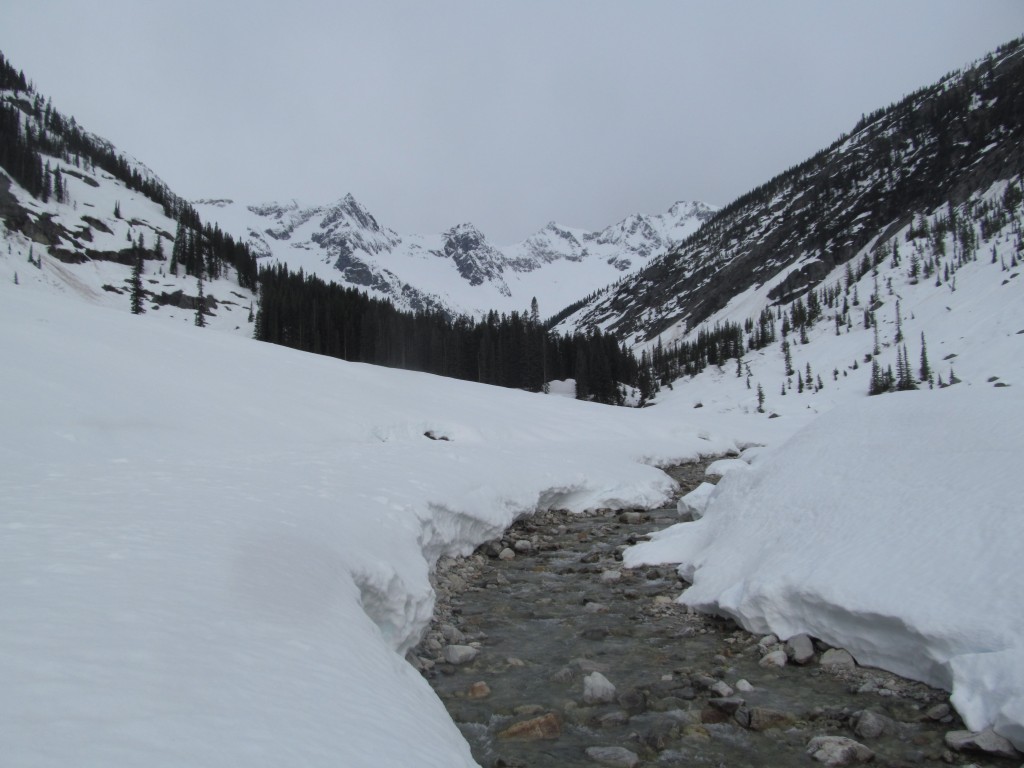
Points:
[838,751]
[597,689]
[634,701]
[800,649]
[506,554]
[594,633]
[987,741]
[452,634]
[617,757]
[590,557]
[728,704]
[721,689]
[774,659]
[743,686]
[610,577]
[460,654]
[545,727]
[763,718]
[613,719]
[478,690]
[836,659]
[871,725]
[938,712]
[595,608]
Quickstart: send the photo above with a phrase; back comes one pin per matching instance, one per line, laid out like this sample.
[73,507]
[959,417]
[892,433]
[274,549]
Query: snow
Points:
[216,551]
[890,528]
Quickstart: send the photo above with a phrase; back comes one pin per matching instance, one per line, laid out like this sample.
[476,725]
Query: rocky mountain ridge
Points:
[940,146]
[458,270]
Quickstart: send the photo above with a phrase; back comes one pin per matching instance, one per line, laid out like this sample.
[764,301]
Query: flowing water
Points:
[564,608]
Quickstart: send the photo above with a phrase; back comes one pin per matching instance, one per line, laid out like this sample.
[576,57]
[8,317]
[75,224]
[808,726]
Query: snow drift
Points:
[215,551]
[890,527]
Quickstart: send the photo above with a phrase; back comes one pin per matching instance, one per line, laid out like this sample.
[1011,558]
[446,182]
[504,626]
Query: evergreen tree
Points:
[760,398]
[137,295]
[926,370]
[200,300]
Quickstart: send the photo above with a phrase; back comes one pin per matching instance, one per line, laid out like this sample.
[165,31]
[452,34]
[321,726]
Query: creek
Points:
[515,640]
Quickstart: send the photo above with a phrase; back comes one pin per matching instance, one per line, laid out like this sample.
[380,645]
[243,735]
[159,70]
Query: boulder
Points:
[838,751]
[988,741]
[800,649]
[836,660]
[460,654]
[597,689]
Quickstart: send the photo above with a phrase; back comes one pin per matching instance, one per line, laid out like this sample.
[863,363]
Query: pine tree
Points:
[926,370]
[760,398]
[117,209]
[200,300]
[787,358]
[137,295]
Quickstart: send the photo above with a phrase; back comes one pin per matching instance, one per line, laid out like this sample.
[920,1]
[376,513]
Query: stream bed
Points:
[547,652]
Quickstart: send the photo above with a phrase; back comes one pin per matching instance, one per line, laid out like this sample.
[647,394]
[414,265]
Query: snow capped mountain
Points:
[939,146]
[458,270]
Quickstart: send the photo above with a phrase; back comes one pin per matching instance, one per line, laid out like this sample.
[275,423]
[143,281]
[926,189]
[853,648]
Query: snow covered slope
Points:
[216,551]
[940,145]
[458,270]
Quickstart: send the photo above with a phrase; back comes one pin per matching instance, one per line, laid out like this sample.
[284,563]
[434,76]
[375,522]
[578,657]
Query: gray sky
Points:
[506,114]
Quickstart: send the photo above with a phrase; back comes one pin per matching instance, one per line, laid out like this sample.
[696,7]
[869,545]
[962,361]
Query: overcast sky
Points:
[506,114]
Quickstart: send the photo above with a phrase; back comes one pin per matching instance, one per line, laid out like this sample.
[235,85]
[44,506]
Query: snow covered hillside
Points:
[458,270]
[886,525]
[216,551]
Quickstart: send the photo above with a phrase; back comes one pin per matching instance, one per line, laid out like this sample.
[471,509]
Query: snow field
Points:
[216,551]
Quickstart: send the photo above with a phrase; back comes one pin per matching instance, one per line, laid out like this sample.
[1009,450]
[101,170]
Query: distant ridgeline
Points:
[33,135]
[938,146]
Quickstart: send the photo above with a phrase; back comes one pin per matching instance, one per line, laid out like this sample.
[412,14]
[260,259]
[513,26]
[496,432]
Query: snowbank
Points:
[890,527]
[215,551]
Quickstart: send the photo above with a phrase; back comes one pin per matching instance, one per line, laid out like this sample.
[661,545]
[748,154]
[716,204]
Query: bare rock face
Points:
[545,727]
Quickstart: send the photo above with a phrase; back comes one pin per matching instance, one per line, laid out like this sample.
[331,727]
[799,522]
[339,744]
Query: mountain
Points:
[946,145]
[80,217]
[459,270]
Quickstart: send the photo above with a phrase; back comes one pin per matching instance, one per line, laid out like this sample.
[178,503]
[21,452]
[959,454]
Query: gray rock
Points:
[460,654]
[836,659]
[506,554]
[871,725]
[800,649]
[987,741]
[727,704]
[838,751]
[938,712]
[597,689]
[613,719]
[743,686]
[617,757]
[631,518]
[634,701]
[774,659]
[452,634]
[721,688]
[523,545]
